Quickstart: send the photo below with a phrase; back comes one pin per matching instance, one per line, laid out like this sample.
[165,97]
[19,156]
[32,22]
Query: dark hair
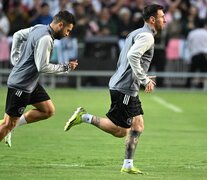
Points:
[44,5]
[151,10]
[65,17]
[202,23]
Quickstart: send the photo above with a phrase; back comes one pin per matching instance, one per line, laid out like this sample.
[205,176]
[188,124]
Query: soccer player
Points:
[30,55]
[125,114]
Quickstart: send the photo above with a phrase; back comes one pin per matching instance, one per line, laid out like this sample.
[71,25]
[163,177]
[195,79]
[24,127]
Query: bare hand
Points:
[73,64]
[150,86]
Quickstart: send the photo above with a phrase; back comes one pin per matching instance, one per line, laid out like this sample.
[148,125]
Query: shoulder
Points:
[40,30]
[46,37]
[41,33]
[45,42]
[146,37]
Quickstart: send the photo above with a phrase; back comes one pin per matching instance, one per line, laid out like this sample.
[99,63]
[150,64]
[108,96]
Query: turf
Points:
[173,145]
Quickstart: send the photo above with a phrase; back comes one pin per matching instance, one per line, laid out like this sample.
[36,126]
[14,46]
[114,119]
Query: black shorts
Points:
[17,100]
[123,109]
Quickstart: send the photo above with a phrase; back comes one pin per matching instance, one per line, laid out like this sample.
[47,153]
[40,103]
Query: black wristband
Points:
[66,67]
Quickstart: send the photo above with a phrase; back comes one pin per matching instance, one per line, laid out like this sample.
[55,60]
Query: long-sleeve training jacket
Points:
[30,54]
[134,61]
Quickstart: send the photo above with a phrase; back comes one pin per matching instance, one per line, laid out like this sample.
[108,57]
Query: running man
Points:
[30,55]
[125,114]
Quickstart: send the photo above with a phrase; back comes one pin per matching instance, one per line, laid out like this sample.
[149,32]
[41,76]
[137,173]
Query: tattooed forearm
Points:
[95,121]
[131,143]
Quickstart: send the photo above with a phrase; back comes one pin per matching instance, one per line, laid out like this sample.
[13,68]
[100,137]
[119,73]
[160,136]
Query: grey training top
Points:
[30,54]
[134,62]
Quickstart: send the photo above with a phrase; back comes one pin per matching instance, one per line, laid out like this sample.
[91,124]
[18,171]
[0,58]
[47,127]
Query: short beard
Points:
[59,35]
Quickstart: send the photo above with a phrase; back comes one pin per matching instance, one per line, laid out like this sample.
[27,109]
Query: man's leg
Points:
[104,124]
[43,110]
[8,137]
[131,144]
[7,125]
[108,126]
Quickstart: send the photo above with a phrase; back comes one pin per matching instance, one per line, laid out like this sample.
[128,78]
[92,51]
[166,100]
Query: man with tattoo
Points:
[124,117]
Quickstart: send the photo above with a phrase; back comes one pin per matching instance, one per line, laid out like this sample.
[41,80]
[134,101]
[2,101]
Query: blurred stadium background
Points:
[99,35]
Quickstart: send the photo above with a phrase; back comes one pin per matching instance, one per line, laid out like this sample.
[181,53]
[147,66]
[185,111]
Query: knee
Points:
[140,128]
[49,112]
[138,124]
[120,133]
[10,124]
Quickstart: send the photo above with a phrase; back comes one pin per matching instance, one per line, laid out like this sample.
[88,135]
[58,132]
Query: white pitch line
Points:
[167,104]
[45,165]
[65,165]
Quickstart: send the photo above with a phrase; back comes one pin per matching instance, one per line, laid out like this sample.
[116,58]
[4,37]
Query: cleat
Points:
[8,139]
[75,119]
[132,170]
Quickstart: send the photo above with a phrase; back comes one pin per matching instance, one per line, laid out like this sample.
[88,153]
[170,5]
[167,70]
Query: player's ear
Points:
[61,25]
[152,19]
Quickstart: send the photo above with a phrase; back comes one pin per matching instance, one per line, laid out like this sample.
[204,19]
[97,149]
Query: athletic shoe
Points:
[8,139]
[75,119]
[132,170]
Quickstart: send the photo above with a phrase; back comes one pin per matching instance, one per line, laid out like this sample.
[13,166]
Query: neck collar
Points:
[51,31]
[151,28]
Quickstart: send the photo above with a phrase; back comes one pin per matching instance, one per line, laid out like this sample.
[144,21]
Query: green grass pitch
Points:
[173,145]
